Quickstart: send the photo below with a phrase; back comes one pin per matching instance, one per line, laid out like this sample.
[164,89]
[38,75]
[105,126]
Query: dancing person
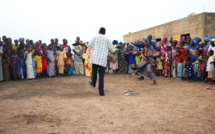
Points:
[100,46]
[149,68]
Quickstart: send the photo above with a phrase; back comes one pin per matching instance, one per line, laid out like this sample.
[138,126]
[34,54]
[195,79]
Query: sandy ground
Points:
[68,105]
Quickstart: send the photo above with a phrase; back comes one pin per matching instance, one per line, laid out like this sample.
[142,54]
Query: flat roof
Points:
[193,16]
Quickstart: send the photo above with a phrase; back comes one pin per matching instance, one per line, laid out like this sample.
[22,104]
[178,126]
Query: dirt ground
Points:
[69,105]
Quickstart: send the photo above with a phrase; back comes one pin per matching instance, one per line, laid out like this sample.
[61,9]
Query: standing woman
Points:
[15,65]
[29,64]
[1,52]
[164,45]
[122,60]
[114,65]
[87,64]
[212,46]
[6,65]
[45,64]
[51,61]
[193,48]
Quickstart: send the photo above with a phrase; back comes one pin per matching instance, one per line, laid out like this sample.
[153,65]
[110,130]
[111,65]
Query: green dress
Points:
[122,62]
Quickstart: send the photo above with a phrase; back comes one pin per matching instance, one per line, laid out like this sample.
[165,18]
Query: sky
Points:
[47,19]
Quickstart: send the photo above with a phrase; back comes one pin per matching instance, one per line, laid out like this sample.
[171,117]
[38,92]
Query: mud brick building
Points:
[197,25]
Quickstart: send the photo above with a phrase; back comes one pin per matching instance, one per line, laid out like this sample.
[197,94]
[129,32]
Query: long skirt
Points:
[6,71]
[30,71]
[150,71]
[51,69]
[114,66]
[211,75]
[1,73]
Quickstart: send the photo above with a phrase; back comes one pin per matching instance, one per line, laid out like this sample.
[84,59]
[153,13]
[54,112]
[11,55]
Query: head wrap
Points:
[207,38]
[195,41]
[165,38]
[213,37]
[176,38]
[146,41]
[171,39]
[21,39]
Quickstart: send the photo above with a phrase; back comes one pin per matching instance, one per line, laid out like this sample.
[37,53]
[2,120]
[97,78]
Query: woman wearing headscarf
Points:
[114,65]
[212,46]
[193,48]
[1,52]
[148,64]
[164,45]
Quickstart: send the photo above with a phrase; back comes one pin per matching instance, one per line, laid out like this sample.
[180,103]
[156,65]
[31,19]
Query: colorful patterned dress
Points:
[6,67]
[51,66]
[122,62]
[1,73]
[87,64]
[15,67]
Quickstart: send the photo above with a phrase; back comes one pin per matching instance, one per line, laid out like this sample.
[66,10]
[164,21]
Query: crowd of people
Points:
[185,58]
[25,59]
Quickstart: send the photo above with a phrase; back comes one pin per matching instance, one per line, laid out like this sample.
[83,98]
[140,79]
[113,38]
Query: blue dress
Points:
[22,68]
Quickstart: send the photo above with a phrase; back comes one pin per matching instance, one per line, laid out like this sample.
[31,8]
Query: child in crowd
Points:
[39,65]
[30,64]
[137,58]
[61,57]
[6,66]
[55,60]
[196,68]
[180,70]
[68,63]
[45,64]
[15,65]
[51,61]
[159,61]
[167,63]
[131,58]
[210,66]
[34,63]
[188,68]
[115,65]
[203,67]
[1,52]
[22,66]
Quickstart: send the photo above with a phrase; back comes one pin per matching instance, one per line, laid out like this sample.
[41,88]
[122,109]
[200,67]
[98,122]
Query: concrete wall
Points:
[197,26]
[210,24]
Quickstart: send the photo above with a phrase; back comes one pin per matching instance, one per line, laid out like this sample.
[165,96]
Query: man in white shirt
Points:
[100,46]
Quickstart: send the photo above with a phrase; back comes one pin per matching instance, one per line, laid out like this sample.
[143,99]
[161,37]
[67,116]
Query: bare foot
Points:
[207,88]
[154,84]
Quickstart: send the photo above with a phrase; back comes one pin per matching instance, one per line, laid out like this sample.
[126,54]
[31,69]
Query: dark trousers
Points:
[101,70]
